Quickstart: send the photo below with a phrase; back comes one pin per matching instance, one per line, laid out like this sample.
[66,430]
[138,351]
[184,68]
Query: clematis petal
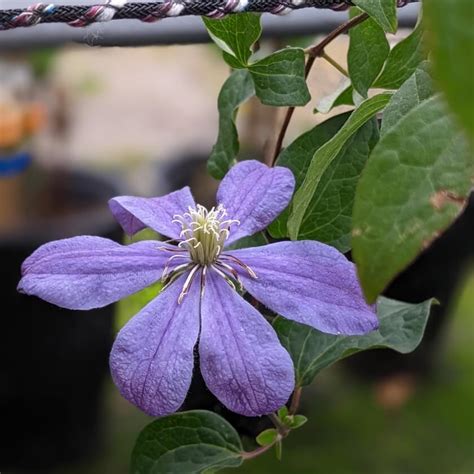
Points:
[136,213]
[152,358]
[311,283]
[242,361]
[254,194]
[91,272]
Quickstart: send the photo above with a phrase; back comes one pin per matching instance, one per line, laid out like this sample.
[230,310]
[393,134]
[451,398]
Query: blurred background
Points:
[79,125]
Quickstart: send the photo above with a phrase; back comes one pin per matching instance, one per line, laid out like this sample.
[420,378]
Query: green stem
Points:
[281,428]
[334,64]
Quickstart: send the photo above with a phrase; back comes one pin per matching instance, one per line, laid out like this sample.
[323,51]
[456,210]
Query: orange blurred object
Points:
[19,122]
[34,117]
[393,392]
[11,125]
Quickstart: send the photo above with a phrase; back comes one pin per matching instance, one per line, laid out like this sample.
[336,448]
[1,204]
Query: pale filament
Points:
[187,283]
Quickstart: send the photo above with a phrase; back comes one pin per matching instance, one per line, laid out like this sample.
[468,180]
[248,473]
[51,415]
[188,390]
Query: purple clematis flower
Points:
[241,359]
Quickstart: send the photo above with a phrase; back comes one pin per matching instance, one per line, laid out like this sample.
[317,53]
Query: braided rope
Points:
[80,15]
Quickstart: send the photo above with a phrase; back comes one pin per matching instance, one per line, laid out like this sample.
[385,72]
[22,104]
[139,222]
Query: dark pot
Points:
[52,361]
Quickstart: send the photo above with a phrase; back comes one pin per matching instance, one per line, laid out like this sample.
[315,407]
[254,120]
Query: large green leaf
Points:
[237,89]
[235,35]
[451,37]
[368,50]
[412,188]
[413,92]
[279,78]
[384,12]
[403,59]
[325,155]
[329,215]
[185,443]
[297,157]
[401,328]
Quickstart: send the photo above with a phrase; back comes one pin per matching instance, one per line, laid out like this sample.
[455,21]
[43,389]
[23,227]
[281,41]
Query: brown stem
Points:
[341,29]
[256,452]
[295,401]
[314,52]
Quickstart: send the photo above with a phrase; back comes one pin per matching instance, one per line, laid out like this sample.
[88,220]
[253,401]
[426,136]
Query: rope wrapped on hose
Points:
[84,15]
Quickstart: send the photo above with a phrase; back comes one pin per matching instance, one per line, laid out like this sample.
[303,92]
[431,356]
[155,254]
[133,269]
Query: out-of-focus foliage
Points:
[451,40]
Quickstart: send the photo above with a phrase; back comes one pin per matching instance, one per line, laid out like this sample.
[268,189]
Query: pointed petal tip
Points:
[365,324]
[155,410]
[262,410]
[366,327]
[20,288]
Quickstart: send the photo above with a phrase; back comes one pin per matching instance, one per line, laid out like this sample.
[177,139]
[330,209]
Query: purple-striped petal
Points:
[254,194]
[242,361]
[136,213]
[311,283]
[91,272]
[152,358]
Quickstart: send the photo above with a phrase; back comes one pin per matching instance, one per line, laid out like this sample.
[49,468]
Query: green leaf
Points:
[368,50]
[297,157]
[267,437]
[329,215]
[418,88]
[402,61]
[235,35]
[237,89]
[279,450]
[283,412]
[297,421]
[413,187]
[279,78]
[341,96]
[401,328]
[187,442]
[325,155]
[451,37]
[384,12]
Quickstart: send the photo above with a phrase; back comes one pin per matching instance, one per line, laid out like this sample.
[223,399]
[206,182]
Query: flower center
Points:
[204,232]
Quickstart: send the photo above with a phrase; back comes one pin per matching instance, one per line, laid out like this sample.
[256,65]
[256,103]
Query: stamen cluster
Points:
[204,233]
